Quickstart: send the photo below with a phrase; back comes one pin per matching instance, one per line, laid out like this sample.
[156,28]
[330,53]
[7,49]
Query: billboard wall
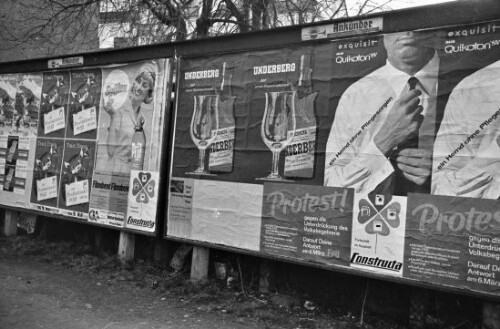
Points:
[86,143]
[376,153]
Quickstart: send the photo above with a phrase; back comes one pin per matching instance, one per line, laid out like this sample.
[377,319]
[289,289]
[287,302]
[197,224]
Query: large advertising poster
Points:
[454,242]
[20,99]
[129,137]
[86,143]
[330,153]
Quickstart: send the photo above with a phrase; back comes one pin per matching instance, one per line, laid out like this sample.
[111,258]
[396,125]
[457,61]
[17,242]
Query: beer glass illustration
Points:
[204,126]
[278,126]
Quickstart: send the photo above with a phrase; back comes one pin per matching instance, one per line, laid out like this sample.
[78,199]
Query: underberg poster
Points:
[20,98]
[336,151]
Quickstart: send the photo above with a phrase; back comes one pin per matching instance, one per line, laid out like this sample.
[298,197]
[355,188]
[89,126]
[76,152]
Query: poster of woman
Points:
[129,132]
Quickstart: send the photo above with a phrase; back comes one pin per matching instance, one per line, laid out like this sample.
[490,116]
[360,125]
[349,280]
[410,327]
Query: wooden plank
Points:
[10,223]
[126,247]
[491,315]
[199,264]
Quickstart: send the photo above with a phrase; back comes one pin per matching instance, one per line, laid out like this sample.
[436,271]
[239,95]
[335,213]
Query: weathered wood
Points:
[10,223]
[491,315]
[266,280]
[199,264]
[419,301]
[126,247]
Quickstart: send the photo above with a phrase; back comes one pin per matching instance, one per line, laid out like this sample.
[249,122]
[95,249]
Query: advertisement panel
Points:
[85,143]
[328,151]
[129,138]
[20,99]
[454,242]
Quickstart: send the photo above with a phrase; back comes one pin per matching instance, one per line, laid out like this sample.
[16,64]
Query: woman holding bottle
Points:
[128,119]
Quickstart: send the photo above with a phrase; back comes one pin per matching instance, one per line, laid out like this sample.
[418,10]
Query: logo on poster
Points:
[431,220]
[275,68]
[115,89]
[354,59]
[140,222]
[206,74]
[450,48]
[379,222]
[377,262]
[308,203]
[490,28]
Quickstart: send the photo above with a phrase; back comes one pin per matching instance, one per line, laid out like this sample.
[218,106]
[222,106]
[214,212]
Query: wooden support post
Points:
[126,247]
[10,223]
[199,264]
[491,315]
[419,301]
[266,280]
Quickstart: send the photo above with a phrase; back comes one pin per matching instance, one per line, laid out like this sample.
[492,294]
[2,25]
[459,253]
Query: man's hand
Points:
[402,122]
[416,164]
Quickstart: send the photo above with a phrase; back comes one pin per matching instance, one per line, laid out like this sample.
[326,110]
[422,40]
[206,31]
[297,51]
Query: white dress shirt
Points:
[352,158]
[467,152]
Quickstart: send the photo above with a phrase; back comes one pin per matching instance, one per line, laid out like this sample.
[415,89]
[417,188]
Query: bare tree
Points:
[43,28]
[52,27]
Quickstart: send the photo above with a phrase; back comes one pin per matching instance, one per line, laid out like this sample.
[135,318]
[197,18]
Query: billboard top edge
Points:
[459,12]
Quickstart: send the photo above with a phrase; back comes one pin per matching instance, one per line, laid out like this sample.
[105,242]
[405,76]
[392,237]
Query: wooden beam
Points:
[126,247]
[199,264]
[10,223]
[491,315]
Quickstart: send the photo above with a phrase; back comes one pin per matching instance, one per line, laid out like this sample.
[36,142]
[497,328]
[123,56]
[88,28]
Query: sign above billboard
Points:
[65,62]
[342,29]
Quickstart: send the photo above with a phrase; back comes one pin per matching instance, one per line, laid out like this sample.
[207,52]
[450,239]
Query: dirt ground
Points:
[59,285]
[66,284]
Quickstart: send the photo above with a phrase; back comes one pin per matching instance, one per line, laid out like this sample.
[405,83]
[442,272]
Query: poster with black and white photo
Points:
[387,116]
[19,112]
[131,123]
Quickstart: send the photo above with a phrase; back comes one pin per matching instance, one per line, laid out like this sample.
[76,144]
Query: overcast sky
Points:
[396,4]
[353,5]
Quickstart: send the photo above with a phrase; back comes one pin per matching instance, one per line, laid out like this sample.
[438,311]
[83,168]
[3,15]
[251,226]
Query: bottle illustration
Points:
[138,147]
[222,148]
[299,156]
